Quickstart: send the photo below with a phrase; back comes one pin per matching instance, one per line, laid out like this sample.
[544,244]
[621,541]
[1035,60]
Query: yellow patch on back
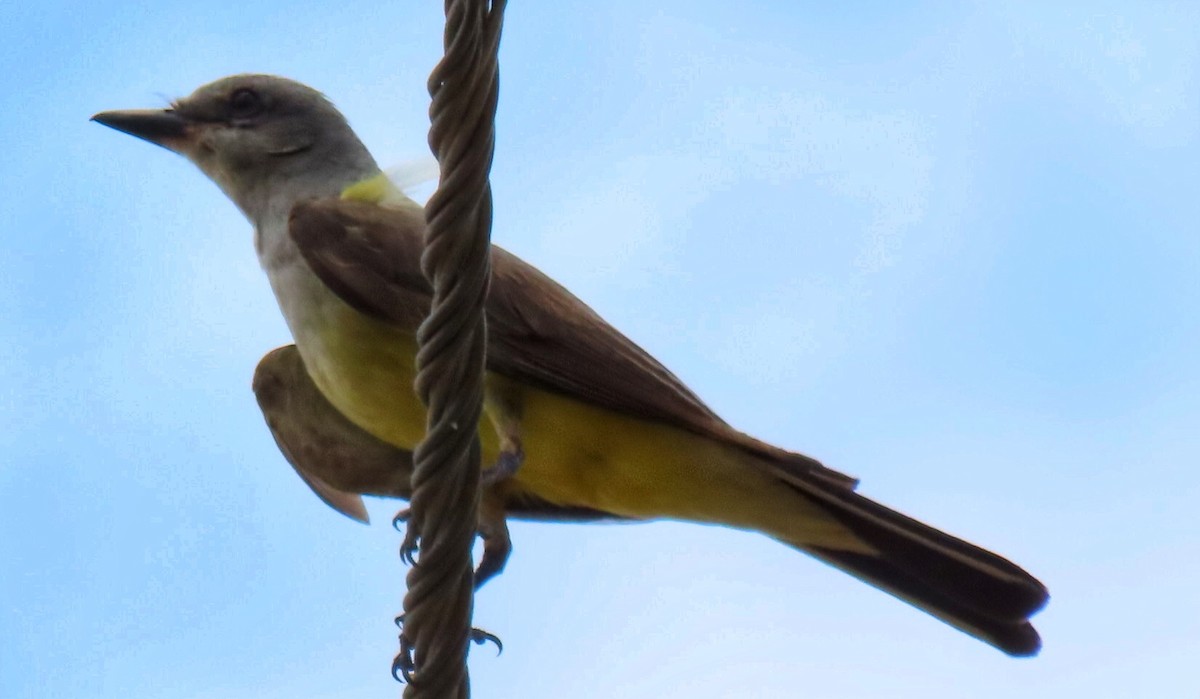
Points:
[372,190]
[380,190]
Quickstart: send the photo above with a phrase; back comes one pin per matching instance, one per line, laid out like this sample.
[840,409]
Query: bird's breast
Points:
[363,366]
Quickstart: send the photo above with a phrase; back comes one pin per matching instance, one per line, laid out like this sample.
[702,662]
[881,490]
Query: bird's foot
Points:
[403,665]
[497,544]
[492,528]
[408,547]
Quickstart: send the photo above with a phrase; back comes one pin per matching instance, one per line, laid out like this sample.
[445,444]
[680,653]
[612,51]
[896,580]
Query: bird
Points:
[580,423]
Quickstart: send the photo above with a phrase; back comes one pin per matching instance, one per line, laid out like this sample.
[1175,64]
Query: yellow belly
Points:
[366,369]
[576,454]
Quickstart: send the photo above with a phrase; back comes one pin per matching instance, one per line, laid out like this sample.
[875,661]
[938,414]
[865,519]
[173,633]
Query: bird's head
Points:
[256,135]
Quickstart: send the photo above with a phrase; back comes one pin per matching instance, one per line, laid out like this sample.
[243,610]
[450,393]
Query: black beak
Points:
[163,127]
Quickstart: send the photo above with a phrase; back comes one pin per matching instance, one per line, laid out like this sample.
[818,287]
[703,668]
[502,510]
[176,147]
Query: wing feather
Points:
[538,332]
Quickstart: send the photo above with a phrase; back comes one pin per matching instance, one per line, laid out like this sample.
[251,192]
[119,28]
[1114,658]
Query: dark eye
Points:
[244,103]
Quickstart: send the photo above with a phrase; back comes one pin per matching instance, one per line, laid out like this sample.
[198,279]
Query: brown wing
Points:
[342,462]
[538,332]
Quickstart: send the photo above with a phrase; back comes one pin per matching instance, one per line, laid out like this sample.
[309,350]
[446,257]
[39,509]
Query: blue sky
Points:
[950,248]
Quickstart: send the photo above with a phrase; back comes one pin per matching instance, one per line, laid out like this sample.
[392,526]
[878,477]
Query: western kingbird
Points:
[581,422]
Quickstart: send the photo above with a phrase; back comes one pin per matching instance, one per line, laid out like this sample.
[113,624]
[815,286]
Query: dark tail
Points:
[969,588]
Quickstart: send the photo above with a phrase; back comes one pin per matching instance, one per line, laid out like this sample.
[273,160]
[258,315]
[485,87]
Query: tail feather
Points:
[969,588]
[1017,638]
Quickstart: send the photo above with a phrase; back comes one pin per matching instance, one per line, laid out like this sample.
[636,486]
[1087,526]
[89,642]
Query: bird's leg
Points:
[403,666]
[503,406]
[507,463]
[493,529]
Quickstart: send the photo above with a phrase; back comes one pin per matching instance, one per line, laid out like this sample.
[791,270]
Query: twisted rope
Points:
[450,362]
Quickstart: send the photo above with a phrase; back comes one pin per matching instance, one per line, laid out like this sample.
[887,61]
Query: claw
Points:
[409,547]
[497,544]
[480,637]
[403,662]
[496,548]
[403,667]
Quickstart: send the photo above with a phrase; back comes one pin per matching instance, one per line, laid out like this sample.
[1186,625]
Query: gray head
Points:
[259,137]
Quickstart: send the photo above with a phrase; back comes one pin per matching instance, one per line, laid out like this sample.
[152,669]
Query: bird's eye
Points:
[244,103]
